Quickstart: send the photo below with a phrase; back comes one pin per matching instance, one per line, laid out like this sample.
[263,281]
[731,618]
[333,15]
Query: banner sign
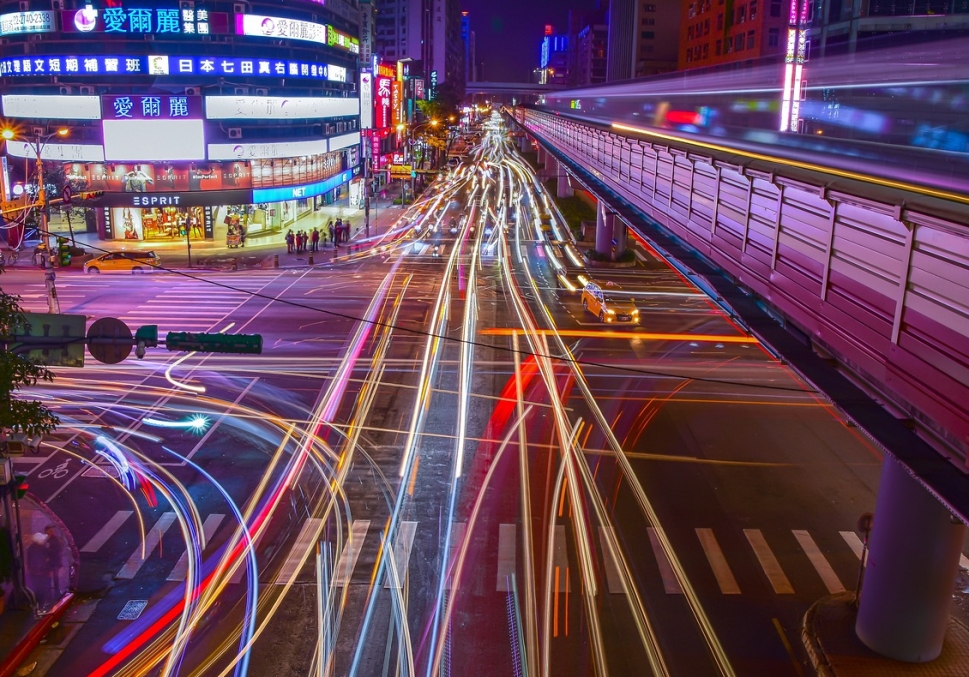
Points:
[153,106]
[19,23]
[144,21]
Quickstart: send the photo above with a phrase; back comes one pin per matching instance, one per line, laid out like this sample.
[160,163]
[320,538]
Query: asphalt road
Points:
[443,465]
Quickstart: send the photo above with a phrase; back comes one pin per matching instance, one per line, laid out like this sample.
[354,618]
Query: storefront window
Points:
[157,224]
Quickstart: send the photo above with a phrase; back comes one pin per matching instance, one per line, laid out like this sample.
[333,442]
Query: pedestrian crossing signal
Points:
[63,252]
[21,486]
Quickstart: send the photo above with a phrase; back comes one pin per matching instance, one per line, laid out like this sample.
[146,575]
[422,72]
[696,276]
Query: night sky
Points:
[508,33]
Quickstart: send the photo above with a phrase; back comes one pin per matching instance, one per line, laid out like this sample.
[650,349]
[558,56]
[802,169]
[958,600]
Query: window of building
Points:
[738,43]
[706,27]
[649,8]
[750,39]
[773,37]
[647,35]
[775,7]
[705,53]
[719,22]
[741,14]
[649,22]
[692,9]
[689,33]
[719,49]
[753,9]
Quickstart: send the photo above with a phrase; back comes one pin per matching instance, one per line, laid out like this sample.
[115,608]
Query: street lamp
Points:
[38,143]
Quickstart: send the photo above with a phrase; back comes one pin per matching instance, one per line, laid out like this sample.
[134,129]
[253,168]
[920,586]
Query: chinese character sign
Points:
[144,21]
[382,103]
[277,27]
[151,107]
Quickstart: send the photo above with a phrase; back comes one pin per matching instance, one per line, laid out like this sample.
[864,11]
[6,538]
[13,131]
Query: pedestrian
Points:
[38,577]
[290,242]
[55,555]
[300,241]
[330,232]
[315,240]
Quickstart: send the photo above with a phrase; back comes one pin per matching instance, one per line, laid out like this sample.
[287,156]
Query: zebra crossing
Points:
[762,554]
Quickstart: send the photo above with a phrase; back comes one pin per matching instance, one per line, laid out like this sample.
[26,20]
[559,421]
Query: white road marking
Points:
[107,531]
[351,551]
[152,538]
[560,557]
[402,549]
[506,556]
[209,526]
[610,553]
[295,557]
[670,584]
[769,563]
[457,537]
[855,543]
[721,570]
[821,564]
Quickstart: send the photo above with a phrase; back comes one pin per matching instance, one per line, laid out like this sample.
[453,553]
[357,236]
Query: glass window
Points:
[738,42]
[773,37]
[775,7]
[647,35]
[750,39]
[741,14]
[753,9]
[719,49]
[720,22]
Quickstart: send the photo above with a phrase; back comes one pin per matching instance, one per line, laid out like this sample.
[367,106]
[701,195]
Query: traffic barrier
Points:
[275,260]
[311,259]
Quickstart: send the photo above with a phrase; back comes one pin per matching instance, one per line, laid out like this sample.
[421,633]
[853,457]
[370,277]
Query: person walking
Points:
[315,240]
[55,556]
[290,242]
[331,232]
[300,242]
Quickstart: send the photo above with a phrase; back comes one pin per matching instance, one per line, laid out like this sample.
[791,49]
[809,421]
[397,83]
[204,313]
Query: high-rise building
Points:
[427,32]
[591,51]
[715,33]
[643,38]
[843,26]
[467,36]
[555,58]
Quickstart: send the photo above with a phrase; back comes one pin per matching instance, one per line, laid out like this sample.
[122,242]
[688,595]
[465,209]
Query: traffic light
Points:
[90,194]
[214,343]
[21,486]
[63,252]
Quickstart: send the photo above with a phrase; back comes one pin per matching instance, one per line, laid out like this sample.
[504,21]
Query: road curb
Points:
[809,637]
[20,653]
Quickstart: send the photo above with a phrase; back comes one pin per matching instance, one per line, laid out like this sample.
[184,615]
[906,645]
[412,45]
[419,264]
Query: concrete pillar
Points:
[562,186]
[912,565]
[524,143]
[619,235]
[542,155]
[605,224]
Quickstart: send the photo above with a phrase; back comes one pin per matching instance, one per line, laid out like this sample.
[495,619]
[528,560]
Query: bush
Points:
[626,257]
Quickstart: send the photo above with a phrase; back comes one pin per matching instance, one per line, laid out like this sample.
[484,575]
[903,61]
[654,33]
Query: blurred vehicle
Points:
[123,262]
[453,226]
[606,306]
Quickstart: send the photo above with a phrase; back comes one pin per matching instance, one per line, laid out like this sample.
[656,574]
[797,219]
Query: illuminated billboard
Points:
[366,99]
[336,38]
[258,25]
[268,150]
[151,106]
[382,103]
[144,21]
[51,106]
[67,152]
[278,107]
[20,23]
[172,140]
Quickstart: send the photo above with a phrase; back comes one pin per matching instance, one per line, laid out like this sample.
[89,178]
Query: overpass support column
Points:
[911,570]
[605,225]
[619,235]
[542,155]
[562,186]
[523,143]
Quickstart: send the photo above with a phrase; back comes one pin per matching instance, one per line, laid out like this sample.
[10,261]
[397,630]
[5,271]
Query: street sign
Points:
[66,195]
[242,344]
[109,340]
[53,340]
[401,171]
[615,242]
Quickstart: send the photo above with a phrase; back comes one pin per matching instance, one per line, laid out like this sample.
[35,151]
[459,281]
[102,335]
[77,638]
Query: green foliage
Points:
[627,256]
[17,372]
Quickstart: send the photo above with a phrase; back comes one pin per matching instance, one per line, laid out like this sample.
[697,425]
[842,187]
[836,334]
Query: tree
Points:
[19,415]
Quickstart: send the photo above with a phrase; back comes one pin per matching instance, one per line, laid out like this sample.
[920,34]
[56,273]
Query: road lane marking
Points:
[610,553]
[670,584]
[295,557]
[152,538]
[821,564]
[769,563]
[457,538]
[107,531]
[209,526]
[506,556]
[560,557]
[351,551]
[721,570]
[855,543]
[403,544]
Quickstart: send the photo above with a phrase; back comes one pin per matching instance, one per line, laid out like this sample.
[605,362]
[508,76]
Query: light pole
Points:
[38,143]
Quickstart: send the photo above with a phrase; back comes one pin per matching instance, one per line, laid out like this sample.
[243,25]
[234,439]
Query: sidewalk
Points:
[828,633]
[260,250]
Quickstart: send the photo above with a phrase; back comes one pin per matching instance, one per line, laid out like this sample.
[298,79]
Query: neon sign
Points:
[144,21]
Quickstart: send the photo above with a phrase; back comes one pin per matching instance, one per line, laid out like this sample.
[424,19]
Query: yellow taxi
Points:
[601,302]
[123,262]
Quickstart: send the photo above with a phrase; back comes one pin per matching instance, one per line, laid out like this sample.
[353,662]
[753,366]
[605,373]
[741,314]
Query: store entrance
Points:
[158,224]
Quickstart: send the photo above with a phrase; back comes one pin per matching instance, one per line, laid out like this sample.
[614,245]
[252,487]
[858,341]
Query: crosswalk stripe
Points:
[457,537]
[303,541]
[821,564]
[610,554]
[351,551]
[152,538]
[851,538]
[721,570]
[403,544]
[769,563]
[506,556]
[209,526]
[560,557]
[964,561]
[107,531]
[670,584]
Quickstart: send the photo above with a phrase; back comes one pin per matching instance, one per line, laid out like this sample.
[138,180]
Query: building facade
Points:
[554,60]
[644,38]
[191,119]
[591,52]
[715,32]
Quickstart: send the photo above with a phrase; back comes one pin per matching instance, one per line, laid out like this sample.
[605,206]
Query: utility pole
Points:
[53,306]
[367,186]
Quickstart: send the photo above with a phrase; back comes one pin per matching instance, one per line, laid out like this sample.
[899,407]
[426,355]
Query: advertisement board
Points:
[382,103]
[158,64]
[20,23]
[396,102]
[119,20]
[146,177]
[301,192]
[366,99]
[68,152]
[268,150]
[210,198]
[257,25]
[335,38]
[51,106]
[273,107]
[150,107]
[153,139]
[344,141]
